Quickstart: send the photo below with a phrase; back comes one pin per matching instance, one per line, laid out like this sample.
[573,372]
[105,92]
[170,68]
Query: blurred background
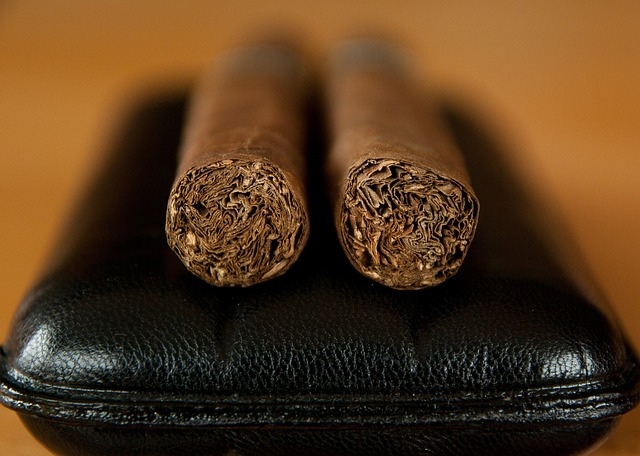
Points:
[559,80]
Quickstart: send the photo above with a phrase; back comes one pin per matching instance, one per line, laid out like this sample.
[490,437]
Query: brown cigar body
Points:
[405,210]
[237,214]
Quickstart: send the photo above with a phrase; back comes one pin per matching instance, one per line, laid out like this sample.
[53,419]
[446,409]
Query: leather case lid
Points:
[118,332]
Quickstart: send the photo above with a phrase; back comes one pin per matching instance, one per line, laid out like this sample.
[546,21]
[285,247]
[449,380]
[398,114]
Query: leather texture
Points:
[119,350]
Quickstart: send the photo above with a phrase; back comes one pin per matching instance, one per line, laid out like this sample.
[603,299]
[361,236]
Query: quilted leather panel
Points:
[118,333]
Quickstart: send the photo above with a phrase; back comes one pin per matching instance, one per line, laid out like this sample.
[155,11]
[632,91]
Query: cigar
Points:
[405,210]
[237,214]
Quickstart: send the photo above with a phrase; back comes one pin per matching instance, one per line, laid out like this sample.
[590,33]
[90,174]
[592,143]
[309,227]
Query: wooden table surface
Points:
[561,79]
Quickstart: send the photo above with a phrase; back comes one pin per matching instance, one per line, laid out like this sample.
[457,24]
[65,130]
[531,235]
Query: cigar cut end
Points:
[236,222]
[405,226]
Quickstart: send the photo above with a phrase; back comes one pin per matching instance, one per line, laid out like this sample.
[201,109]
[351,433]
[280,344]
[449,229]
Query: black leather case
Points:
[118,350]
